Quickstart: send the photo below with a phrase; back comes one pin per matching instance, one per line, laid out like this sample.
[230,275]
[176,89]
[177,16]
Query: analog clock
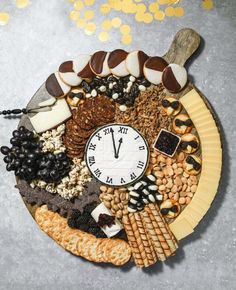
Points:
[117,154]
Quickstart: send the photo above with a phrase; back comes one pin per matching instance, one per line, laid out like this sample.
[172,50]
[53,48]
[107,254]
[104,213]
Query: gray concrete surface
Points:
[31,46]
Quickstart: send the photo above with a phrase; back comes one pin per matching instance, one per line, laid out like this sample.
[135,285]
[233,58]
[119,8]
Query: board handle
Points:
[185,43]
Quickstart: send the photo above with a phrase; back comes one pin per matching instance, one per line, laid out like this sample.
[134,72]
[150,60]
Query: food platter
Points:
[100,204]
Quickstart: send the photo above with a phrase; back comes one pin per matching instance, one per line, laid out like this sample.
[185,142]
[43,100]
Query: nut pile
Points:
[146,115]
[115,199]
[70,186]
[172,181]
[52,140]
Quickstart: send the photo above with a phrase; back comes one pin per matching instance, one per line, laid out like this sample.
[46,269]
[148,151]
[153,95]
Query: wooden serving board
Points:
[185,43]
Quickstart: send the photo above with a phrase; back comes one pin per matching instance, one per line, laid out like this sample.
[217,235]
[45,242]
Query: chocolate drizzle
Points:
[97,61]
[116,57]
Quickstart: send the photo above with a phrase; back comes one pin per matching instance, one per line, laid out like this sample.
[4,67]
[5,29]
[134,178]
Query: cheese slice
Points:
[211,149]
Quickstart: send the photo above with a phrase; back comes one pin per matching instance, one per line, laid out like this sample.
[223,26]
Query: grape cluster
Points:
[29,162]
[85,222]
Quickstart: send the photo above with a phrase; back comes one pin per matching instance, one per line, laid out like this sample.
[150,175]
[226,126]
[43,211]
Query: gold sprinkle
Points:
[126,39]
[103,36]
[116,22]
[125,29]
[105,8]
[81,23]
[170,11]
[159,15]
[22,3]
[89,2]
[207,4]
[78,5]
[148,18]
[153,7]
[141,8]
[106,25]
[74,15]
[4,18]
[139,17]
[88,14]
[179,11]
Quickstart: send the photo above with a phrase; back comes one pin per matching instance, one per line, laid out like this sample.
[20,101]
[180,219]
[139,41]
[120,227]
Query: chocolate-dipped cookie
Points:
[192,164]
[170,208]
[82,68]
[189,143]
[174,77]
[171,106]
[117,64]
[182,124]
[99,63]
[56,87]
[68,75]
[135,61]
[153,69]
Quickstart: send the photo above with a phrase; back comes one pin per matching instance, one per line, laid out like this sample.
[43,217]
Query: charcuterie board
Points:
[128,154]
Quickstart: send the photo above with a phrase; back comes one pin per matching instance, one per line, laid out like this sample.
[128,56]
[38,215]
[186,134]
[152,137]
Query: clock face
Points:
[117,154]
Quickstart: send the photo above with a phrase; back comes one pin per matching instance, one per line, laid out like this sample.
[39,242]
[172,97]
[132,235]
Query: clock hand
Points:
[120,142]
[113,141]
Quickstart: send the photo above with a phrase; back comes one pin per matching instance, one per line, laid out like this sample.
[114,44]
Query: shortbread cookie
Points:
[189,143]
[171,106]
[192,164]
[98,63]
[116,62]
[182,124]
[135,61]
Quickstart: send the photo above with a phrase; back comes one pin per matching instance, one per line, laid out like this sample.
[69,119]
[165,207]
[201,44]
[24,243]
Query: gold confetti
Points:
[81,23]
[179,11]
[148,18]
[141,8]
[22,3]
[88,2]
[90,28]
[103,36]
[105,8]
[169,11]
[207,4]
[139,17]
[125,29]
[126,39]
[153,7]
[74,15]
[88,14]
[4,18]
[159,15]
[78,5]
[117,5]
[106,24]
[116,22]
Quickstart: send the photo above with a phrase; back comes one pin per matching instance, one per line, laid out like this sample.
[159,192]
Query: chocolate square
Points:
[167,142]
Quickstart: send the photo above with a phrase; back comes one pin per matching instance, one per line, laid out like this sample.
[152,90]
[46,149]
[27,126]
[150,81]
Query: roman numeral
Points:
[106,131]
[91,160]
[92,146]
[122,180]
[98,136]
[97,172]
[109,180]
[140,165]
[123,130]
[141,148]
[136,137]
[132,176]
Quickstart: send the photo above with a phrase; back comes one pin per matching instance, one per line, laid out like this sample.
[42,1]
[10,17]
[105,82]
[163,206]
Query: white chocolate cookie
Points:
[56,87]
[99,63]
[135,61]
[117,64]
[82,68]
[174,77]
[153,69]
[68,75]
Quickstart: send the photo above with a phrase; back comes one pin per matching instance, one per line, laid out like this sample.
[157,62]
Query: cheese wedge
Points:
[211,147]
